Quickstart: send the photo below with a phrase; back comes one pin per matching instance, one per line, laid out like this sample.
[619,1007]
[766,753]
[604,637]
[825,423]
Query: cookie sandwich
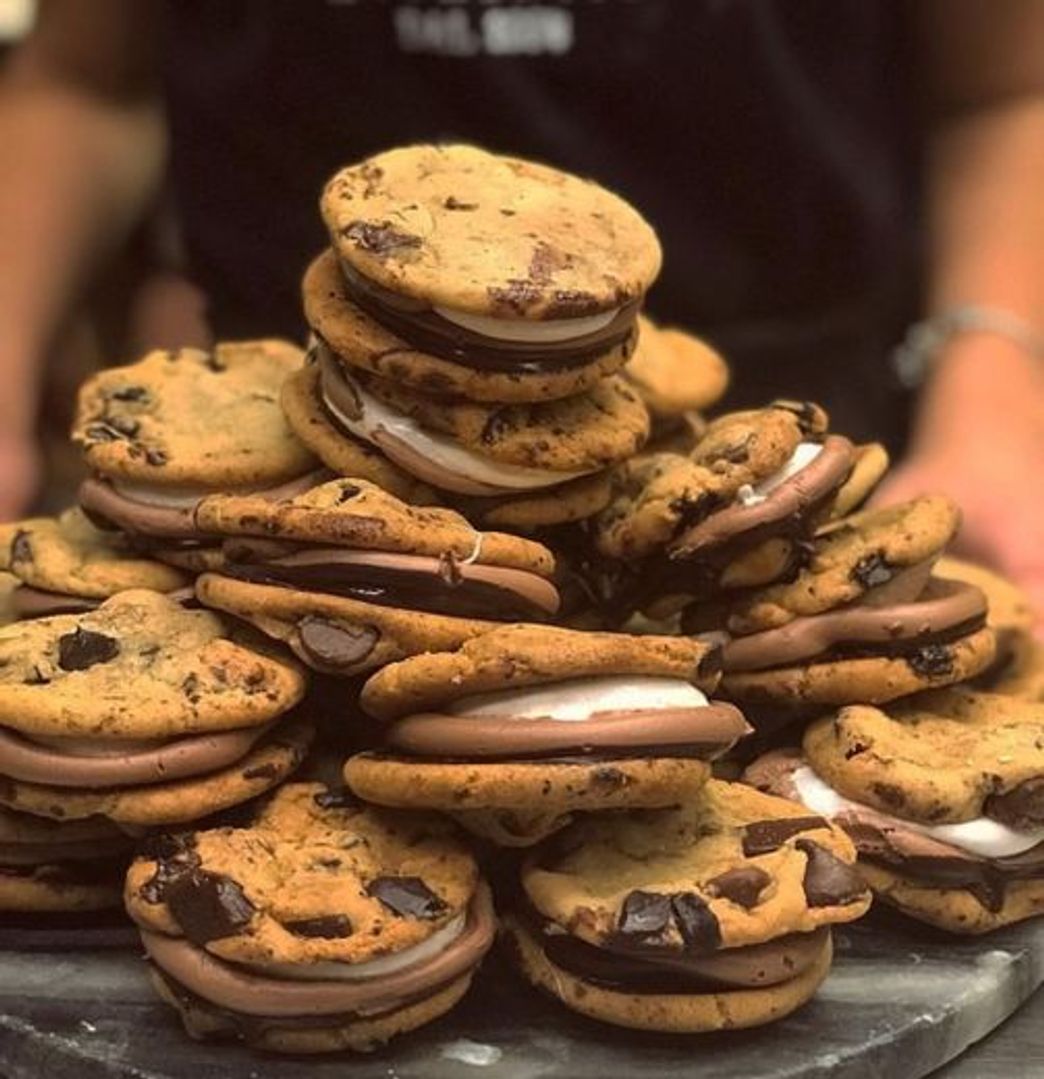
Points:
[142,712]
[351,578]
[541,720]
[714,915]
[65,565]
[321,926]
[864,621]
[160,434]
[941,795]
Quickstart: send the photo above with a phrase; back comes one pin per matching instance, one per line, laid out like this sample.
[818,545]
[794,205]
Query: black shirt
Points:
[770,142]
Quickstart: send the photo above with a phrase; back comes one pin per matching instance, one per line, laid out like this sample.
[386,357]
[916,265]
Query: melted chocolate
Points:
[828,881]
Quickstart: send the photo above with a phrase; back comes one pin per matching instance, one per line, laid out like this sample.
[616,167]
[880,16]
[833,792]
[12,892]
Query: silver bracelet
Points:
[913,358]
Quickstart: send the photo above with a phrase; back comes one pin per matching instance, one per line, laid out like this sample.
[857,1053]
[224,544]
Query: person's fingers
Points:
[19,474]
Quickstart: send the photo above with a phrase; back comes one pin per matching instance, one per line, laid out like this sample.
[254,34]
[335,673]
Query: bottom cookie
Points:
[511,827]
[321,1034]
[678,1013]
[956,910]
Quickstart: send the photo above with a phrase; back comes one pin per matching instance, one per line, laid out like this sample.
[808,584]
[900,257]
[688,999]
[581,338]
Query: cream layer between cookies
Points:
[528,331]
[982,836]
[804,454]
[432,457]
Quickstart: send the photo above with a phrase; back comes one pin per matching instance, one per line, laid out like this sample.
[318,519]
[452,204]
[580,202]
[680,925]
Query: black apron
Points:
[772,143]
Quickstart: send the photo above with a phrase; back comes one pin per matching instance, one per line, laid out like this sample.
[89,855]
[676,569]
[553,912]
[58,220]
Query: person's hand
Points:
[981,441]
[19,473]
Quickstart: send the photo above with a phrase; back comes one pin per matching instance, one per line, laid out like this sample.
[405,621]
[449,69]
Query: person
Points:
[822,173]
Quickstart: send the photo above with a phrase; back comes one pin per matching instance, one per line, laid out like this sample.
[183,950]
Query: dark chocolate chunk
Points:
[175,856]
[335,644]
[696,922]
[84,648]
[828,882]
[329,927]
[21,547]
[495,426]
[872,570]
[208,906]
[453,203]
[643,914]
[342,798]
[261,771]
[409,897]
[741,885]
[931,661]
[380,238]
[1021,808]
[156,457]
[348,492]
[762,836]
[129,393]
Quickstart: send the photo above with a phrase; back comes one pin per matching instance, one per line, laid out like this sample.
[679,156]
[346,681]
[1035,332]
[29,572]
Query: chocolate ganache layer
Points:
[414,582]
[945,611]
[419,326]
[241,990]
[704,732]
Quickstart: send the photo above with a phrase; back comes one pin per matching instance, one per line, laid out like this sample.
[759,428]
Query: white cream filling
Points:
[438,942]
[982,836]
[516,329]
[98,747]
[577,699]
[754,494]
[448,456]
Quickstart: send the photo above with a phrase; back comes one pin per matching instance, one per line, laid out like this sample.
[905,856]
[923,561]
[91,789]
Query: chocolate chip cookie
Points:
[711,916]
[323,925]
[537,719]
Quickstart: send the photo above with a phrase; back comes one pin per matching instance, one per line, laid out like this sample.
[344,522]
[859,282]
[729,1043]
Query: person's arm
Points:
[83,152]
[979,433]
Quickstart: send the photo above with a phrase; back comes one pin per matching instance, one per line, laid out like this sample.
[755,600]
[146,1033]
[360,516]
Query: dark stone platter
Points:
[901,1001]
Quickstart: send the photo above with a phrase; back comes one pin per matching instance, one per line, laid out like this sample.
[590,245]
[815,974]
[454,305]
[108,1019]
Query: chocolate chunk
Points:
[208,906]
[129,393]
[711,663]
[407,896]
[335,644]
[872,570]
[696,922]
[452,203]
[828,882]
[576,303]
[1021,808]
[931,661]
[36,678]
[609,778]
[342,798]
[21,547]
[348,492]
[494,427]
[805,411]
[741,885]
[175,856]
[261,771]
[156,457]
[380,238]
[514,298]
[84,648]
[643,914]
[762,836]
[329,927]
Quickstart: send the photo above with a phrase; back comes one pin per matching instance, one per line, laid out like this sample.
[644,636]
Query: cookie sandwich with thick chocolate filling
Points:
[533,718]
[324,925]
[142,712]
[863,622]
[943,796]
[58,867]
[714,915]
[160,434]
[351,578]
[65,565]
[735,513]
[461,273]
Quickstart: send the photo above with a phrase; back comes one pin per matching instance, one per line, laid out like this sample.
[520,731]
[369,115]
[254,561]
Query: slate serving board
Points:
[901,1000]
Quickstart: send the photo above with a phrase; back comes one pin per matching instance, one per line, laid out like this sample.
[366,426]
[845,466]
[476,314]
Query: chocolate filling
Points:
[32,602]
[413,582]
[947,611]
[420,327]
[692,732]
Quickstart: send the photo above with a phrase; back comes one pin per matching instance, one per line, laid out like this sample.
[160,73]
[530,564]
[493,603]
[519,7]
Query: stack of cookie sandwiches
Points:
[159,434]
[942,795]
[471,319]
[320,925]
[139,713]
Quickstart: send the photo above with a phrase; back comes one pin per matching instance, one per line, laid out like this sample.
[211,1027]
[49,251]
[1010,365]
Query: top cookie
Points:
[318,877]
[458,227]
[190,418]
[731,868]
[524,655]
[941,757]
[140,666]
[68,555]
